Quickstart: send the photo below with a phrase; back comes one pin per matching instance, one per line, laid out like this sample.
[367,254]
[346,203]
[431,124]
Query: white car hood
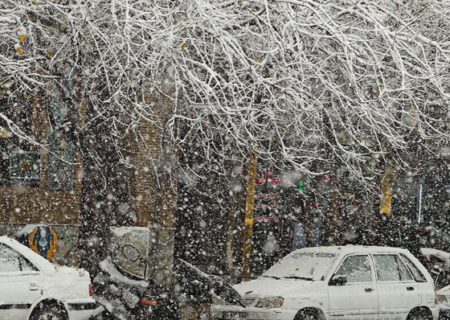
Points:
[445,291]
[270,287]
[443,303]
[68,284]
[73,273]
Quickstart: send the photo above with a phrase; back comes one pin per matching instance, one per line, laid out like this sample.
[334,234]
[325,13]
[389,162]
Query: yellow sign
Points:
[386,190]
[249,209]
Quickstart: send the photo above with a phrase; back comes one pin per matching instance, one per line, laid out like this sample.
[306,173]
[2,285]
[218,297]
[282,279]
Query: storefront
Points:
[284,215]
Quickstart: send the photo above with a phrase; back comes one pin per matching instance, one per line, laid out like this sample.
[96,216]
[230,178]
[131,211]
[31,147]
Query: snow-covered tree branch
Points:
[313,84]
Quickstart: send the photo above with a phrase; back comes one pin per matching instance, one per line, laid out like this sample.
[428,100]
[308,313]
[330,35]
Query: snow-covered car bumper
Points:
[444,314]
[444,311]
[80,310]
[250,313]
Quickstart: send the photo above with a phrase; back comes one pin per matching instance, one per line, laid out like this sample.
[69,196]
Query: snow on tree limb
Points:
[298,82]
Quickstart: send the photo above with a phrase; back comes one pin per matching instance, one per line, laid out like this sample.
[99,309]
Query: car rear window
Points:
[12,261]
[417,274]
[9,260]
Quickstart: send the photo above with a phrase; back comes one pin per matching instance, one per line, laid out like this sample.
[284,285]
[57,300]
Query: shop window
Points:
[25,169]
[20,169]
[19,165]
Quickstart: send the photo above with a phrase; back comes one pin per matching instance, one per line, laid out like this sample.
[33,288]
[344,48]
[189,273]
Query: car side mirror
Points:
[337,280]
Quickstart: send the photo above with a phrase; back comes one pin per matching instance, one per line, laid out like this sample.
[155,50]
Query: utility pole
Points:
[248,223]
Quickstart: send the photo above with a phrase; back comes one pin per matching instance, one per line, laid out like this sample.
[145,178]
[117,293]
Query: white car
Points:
[349,282]
[443,297]
[33,288]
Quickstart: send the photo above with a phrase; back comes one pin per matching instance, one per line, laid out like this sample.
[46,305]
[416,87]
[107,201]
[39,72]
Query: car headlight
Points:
[442,299]
[272,302]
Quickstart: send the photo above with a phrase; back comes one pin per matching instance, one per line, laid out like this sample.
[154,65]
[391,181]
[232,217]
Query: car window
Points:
[26,265]
[356,269]
[387,267]
[417,274]
[391,268]
[9,260]
[405,275]
[12,261]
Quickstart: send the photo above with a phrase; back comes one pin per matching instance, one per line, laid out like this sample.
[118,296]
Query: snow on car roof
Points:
[352,249]
[316,263]
[442,255]
[445,291]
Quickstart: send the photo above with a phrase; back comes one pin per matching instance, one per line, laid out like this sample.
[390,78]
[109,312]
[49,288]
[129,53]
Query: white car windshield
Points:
[311,266]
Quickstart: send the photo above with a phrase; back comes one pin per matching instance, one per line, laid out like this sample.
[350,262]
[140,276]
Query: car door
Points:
[356,299]
[426,287]
[19,286]
[398,292]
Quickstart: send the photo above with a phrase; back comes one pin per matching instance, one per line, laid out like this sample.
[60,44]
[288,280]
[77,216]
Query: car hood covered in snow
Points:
[444,291]
[269,287]
[71,272]
[66,283]
[306,264]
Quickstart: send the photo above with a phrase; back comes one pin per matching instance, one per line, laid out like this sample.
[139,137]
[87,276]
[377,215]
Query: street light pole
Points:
[420,203]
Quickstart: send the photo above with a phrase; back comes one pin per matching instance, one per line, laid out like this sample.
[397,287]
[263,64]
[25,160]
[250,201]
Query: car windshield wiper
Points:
[278,278]
[300,278]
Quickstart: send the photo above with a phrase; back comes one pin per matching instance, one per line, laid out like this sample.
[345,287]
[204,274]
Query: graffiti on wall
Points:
[44,241]
[57,243]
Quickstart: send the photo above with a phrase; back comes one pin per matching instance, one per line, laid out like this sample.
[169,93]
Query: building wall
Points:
[26,207]
[36,205]
[156,187]
[20,203]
